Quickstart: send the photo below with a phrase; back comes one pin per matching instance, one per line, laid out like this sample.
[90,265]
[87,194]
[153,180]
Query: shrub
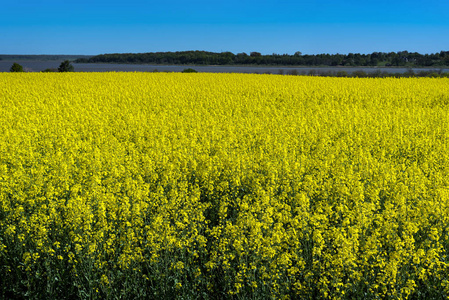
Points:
[342,74]
[359,73]
[189,70]
[66,66]
[16,68]
[312,72]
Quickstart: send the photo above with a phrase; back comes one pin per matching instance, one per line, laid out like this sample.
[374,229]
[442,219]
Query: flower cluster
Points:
[169,185]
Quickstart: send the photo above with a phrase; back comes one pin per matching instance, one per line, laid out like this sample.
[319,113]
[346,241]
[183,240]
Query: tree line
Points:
[43,57]
[65,66]
[401,58]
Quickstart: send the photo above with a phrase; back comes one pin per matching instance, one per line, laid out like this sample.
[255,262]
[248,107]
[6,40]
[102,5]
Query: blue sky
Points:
[94,27]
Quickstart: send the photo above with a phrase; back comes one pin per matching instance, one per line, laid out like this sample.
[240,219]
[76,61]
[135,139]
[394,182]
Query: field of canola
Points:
[214,186]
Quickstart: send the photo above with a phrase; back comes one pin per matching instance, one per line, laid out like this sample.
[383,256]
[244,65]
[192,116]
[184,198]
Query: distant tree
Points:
[241,58]
[81,60]
[446,60]
[336,60]
[16,68]
[50,70]
[66,66]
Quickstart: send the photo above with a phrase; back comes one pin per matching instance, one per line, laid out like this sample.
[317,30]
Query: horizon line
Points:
[235,53]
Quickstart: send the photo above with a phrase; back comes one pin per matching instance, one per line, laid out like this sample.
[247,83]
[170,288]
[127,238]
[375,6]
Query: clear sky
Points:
[284,26]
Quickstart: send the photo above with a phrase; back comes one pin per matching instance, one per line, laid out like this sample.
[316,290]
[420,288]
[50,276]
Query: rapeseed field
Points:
[223,186]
